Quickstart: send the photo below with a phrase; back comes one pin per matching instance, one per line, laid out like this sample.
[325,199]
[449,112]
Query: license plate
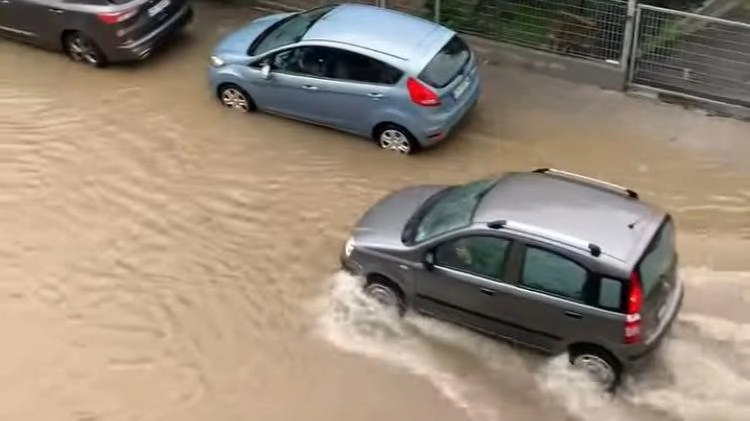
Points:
[158,7]
[461,88]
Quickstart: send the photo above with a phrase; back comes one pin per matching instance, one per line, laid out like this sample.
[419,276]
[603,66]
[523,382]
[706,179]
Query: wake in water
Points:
[702,373]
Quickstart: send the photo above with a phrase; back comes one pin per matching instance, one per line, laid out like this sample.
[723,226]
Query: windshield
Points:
[446,64]
[289,30]
[659,258]
[453,209]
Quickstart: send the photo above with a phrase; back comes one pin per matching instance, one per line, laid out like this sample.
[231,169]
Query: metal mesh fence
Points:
[591,29]
[692,54]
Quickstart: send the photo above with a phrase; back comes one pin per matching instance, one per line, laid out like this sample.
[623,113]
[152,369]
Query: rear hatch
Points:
[136,19]
[657,270]
[451,72]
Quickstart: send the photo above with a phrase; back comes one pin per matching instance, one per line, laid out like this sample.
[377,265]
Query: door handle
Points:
[310,87]
[56,11]
[574,315]
[487,291]
[375,95]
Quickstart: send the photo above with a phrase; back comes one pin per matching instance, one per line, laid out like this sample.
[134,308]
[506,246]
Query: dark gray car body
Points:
[44,23]
[621,226]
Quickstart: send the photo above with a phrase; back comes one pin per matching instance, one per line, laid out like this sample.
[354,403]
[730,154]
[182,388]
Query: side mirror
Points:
[265,71]
[429,260]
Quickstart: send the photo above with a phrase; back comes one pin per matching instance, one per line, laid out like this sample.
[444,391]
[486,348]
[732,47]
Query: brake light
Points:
[420,94]
[111,18]
[634,305]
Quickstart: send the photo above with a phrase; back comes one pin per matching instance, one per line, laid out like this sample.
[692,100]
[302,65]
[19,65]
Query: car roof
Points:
[573,208]
[383,30]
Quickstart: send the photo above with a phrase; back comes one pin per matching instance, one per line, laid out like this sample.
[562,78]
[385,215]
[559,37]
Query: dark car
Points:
[549,259]
[94,32]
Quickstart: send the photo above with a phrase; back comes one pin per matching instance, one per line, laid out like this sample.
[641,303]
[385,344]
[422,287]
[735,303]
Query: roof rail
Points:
[592,248]
[629,192]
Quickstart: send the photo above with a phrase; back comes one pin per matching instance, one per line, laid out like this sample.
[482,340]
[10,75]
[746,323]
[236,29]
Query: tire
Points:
[604,368]
[387,294]
[82,49]
[395,138]
[236,98]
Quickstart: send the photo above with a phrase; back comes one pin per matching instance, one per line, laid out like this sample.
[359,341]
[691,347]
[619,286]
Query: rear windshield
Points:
[446,64]
[659,258]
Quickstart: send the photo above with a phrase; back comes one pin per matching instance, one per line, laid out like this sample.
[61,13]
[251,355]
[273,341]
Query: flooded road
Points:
[163,258]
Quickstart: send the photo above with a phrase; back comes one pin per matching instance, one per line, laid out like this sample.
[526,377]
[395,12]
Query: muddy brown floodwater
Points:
[162,258]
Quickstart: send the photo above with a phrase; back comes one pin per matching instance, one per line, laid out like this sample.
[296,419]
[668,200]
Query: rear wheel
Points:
[393,137]
[236,98]
[82,49]
[387,294]
[599,364]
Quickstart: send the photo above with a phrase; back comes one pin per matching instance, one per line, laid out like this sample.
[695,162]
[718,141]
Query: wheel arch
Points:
[373,277]
[579,347]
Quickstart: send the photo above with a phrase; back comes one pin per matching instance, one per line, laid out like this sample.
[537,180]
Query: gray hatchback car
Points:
[549,259]
[94,32]
[402,80]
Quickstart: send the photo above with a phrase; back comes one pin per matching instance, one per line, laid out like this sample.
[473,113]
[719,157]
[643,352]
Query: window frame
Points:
[373,59]
[621,299]
[586,290]
[269,57]
[507,255]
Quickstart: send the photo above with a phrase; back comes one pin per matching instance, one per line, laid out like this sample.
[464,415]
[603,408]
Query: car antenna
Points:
[634,223]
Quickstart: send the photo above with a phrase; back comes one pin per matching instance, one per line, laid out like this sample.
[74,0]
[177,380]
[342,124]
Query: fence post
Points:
[635,45]
[437,11]
[627,41]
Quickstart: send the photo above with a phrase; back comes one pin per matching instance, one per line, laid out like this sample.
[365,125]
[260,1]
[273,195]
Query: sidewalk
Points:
[520,93]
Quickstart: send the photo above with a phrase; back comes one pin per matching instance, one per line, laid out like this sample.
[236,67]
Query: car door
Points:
[292,87]
[10,25]
[552,299]
[357,88]
[36,21]
[462,281]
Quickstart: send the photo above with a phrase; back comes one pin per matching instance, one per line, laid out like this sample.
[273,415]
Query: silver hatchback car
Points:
[399,79]
[549,259]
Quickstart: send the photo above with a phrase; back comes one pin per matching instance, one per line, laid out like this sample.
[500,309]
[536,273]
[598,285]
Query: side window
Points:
[610,293]
[479,255]
[360,68]
[550,272]
[308,61]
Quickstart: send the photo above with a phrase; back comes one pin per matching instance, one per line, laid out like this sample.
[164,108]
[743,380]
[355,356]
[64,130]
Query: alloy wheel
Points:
[83,50]
[395,140]
[235,99]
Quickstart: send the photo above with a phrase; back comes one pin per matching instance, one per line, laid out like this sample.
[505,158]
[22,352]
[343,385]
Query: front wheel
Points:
[82,49]
[393,137]
[387,295]
[234,97]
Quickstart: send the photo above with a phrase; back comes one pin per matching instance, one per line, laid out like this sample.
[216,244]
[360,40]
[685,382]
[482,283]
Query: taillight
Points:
[633,315]
[111,18]
[420,94]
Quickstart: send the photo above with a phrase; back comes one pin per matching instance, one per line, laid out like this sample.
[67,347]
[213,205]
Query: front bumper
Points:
[349,266]
[145,46]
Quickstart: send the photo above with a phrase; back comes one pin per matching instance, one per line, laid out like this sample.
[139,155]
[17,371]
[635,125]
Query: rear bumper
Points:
[439,128]
[143,47]
[639,359]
